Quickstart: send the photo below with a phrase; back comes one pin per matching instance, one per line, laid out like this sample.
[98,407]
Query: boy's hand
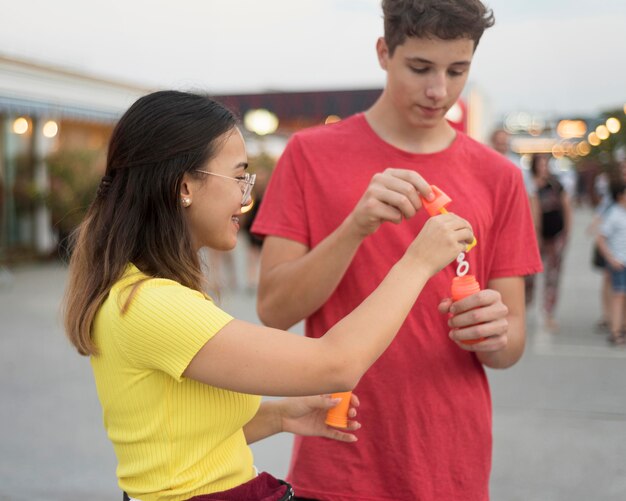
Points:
[391,196]
[481,315]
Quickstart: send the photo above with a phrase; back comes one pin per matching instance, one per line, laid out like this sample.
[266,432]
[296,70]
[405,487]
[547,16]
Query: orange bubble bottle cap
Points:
[437,206]
[337,417]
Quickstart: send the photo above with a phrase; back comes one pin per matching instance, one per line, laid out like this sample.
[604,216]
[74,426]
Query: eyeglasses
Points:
[246,182]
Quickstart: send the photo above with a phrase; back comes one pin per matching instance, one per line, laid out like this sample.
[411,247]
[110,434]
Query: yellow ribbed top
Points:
[174,438]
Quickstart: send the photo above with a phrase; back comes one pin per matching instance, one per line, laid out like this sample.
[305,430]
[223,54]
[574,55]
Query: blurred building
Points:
[46,110]
[55,124]
[297,110]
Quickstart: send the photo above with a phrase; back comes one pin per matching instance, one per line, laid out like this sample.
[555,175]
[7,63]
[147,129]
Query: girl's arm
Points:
[260,360]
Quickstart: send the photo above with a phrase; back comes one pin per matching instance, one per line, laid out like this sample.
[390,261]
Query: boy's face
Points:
[425,77]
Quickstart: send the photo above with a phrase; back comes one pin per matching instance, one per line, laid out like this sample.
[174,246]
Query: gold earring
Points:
[186,202]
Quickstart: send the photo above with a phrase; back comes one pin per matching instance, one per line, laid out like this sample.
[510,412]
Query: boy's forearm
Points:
[293,290]
[512,295]
[514,350]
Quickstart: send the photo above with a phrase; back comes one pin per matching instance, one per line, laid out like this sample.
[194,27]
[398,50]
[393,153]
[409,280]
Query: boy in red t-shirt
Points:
[425,404]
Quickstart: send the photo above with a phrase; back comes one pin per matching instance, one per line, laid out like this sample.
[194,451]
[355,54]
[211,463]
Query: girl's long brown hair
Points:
[137,216]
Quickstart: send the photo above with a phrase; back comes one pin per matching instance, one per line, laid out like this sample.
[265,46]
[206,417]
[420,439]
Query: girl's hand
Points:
[392,195]
[305,416]
[440,241]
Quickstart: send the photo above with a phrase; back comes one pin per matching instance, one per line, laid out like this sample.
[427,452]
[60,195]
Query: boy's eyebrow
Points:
[426,61]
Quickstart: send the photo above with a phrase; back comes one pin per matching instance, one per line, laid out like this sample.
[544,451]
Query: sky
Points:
[553,57]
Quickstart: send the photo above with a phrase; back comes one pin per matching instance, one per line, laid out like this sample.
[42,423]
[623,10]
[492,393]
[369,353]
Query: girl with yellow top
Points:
[177,377]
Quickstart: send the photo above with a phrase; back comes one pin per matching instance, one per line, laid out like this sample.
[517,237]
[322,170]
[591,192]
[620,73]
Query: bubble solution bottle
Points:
[461,288]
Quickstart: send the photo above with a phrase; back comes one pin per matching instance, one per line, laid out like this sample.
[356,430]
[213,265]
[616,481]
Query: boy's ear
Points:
[382,51]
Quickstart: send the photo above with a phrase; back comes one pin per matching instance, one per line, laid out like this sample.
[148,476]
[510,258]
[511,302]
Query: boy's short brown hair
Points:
[444,19]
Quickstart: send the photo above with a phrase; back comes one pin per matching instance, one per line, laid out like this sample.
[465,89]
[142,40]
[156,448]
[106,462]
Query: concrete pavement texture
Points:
[559,414]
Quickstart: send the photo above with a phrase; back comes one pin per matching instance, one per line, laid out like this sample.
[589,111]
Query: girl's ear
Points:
[186,186]
[186,190]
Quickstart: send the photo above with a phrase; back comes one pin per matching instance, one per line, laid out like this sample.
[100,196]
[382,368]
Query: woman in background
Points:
[553,220]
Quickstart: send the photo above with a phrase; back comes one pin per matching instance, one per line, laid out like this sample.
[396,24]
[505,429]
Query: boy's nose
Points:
[437,89]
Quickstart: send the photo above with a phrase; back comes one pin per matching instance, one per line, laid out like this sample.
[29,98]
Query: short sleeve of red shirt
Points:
[283,214]
[515,251]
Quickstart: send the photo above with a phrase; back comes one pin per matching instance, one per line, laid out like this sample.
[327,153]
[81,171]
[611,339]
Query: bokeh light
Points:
[558,151]
[614,125]
[593,139]
[261,122]
[571,128]
[20,126]
[583,148]
[602,132]
[247,208]
[50,129]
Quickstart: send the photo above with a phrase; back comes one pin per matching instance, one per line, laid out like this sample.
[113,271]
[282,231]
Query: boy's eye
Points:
[418,70]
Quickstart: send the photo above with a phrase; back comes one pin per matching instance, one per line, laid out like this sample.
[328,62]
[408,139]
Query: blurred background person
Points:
[606,201]
[612,244]
[553,221]
[501,142]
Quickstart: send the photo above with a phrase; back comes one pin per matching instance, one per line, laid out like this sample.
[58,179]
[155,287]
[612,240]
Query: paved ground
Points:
[559,415]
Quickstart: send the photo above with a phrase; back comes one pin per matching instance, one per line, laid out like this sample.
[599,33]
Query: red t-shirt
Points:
[425,404]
